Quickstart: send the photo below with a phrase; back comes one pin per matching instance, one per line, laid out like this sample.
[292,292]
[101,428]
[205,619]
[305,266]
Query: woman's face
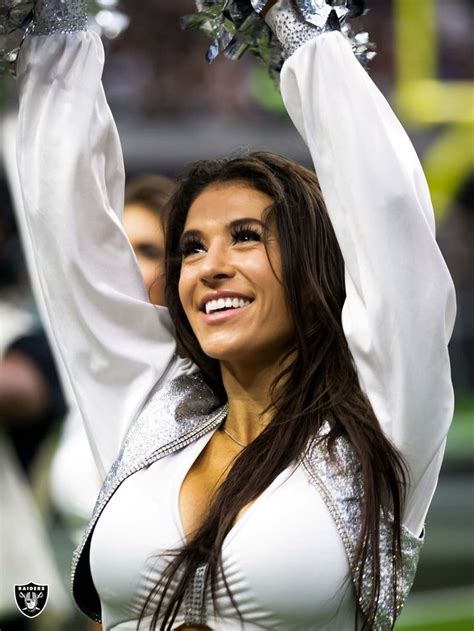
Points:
[145,234]
[229,285]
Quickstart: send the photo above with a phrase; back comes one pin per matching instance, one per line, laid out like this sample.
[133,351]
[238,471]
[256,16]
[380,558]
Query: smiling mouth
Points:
[225,304]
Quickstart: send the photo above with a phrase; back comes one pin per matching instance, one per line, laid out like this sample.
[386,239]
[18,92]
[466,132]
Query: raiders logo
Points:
[31,598]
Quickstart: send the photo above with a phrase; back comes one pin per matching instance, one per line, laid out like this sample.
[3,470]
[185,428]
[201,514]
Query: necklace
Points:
[233,437]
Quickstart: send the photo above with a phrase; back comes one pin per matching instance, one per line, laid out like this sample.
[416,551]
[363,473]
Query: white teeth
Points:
[225,303]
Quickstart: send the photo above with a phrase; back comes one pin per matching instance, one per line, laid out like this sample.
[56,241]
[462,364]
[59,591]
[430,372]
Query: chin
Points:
[228,352]
[244,355]
[224,355]
[246,349]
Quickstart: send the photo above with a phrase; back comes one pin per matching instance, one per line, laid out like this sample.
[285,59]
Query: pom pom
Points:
[237,27]
[17,21]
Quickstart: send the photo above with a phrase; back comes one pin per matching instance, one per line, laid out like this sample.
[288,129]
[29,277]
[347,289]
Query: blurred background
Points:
[171,108]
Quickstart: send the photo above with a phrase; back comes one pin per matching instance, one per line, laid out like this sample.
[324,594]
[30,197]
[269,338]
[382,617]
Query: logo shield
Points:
[31,598]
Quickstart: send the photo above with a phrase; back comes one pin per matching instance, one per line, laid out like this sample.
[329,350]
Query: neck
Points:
[248,394]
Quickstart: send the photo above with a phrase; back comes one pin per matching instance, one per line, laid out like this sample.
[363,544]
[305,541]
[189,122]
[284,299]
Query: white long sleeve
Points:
[400,306]
[116,347]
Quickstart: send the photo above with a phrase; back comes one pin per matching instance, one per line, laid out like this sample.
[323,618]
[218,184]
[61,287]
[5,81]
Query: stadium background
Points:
[172,108]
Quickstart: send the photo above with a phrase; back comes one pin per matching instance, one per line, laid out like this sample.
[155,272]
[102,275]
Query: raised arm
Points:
[400,306]
[116,347]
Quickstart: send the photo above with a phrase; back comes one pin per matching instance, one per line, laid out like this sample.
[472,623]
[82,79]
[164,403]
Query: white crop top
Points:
[284,559]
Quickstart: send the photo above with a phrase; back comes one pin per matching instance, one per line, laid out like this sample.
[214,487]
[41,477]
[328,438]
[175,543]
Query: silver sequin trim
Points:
[297,21]
[195,611]
[339,481]
[60,16]
[19,18]
[291,28]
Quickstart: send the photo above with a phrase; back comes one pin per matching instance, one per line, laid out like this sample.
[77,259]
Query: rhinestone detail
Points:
[195,611]
[339,481]
[59,16]
[291,28]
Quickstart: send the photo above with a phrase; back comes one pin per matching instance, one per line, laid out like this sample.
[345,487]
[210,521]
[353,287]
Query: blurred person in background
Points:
[31,406]
[324,465]
[31,399]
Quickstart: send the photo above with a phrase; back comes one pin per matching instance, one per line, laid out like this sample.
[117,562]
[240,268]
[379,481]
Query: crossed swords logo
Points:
[31,598]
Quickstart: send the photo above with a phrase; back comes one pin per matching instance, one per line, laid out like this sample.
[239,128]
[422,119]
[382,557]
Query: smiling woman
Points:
[231,254]
[279,477]
[282,361]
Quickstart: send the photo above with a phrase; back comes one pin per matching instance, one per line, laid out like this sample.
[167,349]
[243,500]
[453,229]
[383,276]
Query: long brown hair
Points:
[319,384]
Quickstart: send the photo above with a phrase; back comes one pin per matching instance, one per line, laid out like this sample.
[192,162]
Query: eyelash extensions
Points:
[246,232]
[242,233]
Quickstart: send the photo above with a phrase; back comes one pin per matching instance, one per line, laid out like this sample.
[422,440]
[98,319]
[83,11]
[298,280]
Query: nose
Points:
[216,264]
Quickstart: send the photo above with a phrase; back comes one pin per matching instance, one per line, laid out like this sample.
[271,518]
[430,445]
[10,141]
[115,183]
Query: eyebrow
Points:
[242,221]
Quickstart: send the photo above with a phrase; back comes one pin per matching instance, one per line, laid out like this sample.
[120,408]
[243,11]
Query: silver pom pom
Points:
[237,27]
[19,18]
[16,19]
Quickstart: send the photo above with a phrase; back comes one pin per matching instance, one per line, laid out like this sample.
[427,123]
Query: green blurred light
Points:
[265,92]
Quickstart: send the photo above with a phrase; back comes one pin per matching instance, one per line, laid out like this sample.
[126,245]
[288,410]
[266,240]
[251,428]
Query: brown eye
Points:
[191,246]
[243,234]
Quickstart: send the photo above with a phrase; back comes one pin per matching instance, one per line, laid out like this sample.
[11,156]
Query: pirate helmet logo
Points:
[31,598]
